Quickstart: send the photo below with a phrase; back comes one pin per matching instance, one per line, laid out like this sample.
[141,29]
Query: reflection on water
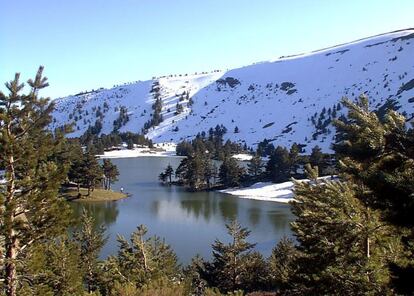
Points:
[104,213]
[189,221]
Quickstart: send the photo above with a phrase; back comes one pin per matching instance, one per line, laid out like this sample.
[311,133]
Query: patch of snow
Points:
[266,191]
[242,157]
[159,150]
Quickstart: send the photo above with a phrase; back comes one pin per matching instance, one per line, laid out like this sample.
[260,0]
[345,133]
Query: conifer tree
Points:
[230,172]
[162,177]
[227,267]
[110,172]
[283,263]
[354,262]
[140,261]
[169,173]
[53,268]
[377,152]
[294,158]
[30,209]
[278,166]
[255,166]
[91,171]
[90,241]
[317,158]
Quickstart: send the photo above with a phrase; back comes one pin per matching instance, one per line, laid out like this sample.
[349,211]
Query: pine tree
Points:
[30,210]
[169,172]
[53,268]
[230,172]
[317,158]
[92,171]
[110,172]
[140,261]
[255,166]
[90,241]
[227,267]
[162,177]
[354,262]
[294,158]
[278,166]
[377,152]
[283,263]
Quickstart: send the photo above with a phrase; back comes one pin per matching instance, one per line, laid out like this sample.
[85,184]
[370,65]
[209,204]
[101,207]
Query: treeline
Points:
[85,171]
[201,171]
[211,143]
[102,143]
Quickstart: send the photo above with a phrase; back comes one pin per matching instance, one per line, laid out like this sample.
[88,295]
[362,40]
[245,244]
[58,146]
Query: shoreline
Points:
[264,191]
[98,195]
[159,150]
[267,191]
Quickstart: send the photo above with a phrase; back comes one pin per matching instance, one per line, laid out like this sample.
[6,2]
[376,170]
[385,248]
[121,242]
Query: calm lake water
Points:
[189,222]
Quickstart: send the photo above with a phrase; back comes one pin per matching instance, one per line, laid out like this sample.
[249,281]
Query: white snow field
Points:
[282,100]
[266,191]
[160,150]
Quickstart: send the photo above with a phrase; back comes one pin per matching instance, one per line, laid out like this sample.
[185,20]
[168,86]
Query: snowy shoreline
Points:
[264,191]
[159,150]
[267,191]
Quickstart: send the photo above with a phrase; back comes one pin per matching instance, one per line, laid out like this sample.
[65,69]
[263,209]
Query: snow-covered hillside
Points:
[290,99]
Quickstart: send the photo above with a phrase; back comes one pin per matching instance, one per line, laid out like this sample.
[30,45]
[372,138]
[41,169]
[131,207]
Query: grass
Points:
[71,194]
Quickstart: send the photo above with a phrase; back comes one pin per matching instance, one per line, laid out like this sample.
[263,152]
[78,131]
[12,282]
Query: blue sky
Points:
[87,44]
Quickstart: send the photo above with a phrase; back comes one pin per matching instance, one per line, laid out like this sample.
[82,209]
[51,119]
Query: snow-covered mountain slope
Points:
[290,99]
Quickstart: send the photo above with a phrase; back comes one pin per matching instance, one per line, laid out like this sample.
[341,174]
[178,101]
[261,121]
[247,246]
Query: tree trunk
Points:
[10,268]
[11,241]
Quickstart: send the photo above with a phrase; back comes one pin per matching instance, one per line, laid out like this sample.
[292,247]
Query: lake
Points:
[189,221]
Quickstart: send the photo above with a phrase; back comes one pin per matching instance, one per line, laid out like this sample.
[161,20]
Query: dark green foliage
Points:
[195,171]
[369,208]
[29,208]
[157,117]
[354,262]
[227,269]
[112,141]
[279,165]
[110,172]
[194,282]
[379,154]
[86,171]
[53,268]
[255,166]
[184,148]
[95,129]
[178,108]
[294,159]
[322,161]
[211,142]
[90,241]
[283,264]
[122,119]
[230,172]
[167,174]
[265,148]
[139,261]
